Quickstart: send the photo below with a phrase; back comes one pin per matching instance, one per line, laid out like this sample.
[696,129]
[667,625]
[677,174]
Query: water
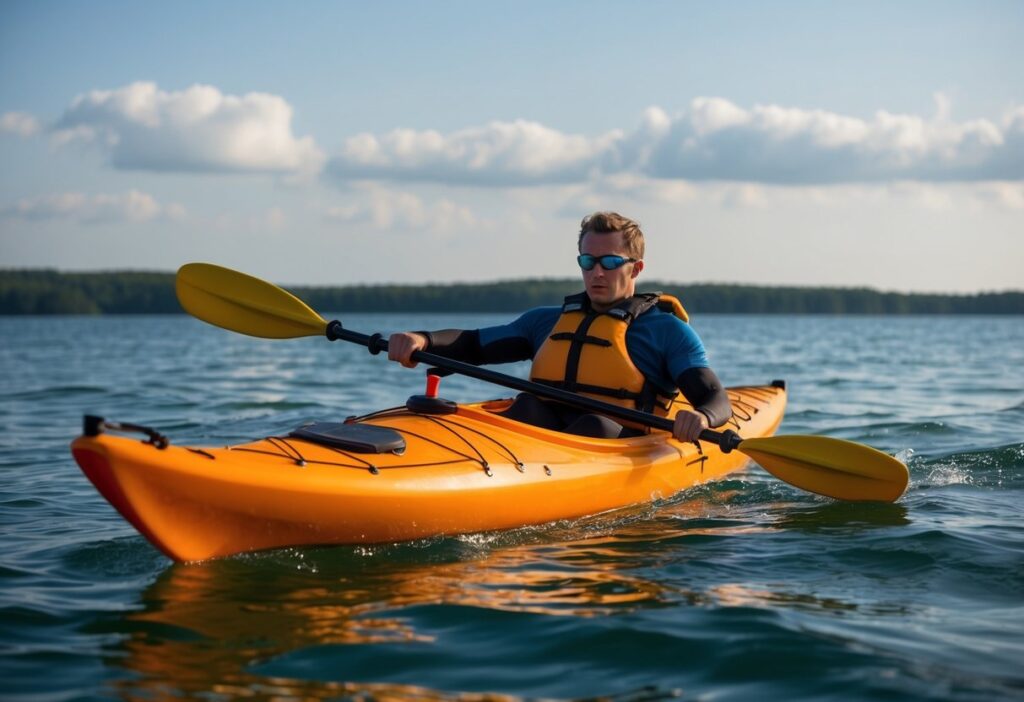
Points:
[744,589]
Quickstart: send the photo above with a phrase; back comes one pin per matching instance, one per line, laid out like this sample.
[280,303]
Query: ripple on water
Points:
[113,558]
[731,591]
[58,392]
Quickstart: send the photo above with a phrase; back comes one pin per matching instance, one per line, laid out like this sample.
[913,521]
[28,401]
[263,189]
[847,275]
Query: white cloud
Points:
[198,129]
[132,206]
[643,188]
[718,140]
[499,153]
[271,219]
[709,115]
[1006,194]
[715,140]
[385,209]
[20,123]
[941,197]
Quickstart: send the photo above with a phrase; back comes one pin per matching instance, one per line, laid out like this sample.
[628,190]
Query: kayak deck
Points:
[470,471]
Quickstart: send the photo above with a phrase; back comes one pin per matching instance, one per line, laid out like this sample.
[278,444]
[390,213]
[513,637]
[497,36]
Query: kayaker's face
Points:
[607,288]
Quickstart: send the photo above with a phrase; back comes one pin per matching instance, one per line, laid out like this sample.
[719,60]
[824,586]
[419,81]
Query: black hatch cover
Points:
[362,438]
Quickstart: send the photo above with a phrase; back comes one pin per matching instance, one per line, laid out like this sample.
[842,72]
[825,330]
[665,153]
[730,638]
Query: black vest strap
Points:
[572,361]
[580,338]
[627,310]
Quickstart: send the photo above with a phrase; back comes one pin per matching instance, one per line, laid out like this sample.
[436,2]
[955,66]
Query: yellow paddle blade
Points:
[840,469]
[241,303]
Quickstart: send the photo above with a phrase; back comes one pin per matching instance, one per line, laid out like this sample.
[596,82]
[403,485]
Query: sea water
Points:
[743,589]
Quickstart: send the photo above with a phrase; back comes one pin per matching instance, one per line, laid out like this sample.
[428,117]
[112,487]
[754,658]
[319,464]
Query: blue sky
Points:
[802,143]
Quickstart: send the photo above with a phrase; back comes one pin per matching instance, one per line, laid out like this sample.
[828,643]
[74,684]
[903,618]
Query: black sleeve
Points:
[464,345]
[457,344]
[704,391]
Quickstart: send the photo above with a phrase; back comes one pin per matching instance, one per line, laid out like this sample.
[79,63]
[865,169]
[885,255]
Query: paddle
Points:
[836,468]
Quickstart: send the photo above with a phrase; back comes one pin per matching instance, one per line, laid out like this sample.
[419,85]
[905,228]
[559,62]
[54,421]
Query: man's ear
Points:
[637,267]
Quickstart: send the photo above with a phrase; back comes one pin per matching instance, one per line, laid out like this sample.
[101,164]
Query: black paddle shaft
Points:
[727,440]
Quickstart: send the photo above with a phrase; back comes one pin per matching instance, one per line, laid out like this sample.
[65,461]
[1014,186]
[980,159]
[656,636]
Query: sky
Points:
[874,144]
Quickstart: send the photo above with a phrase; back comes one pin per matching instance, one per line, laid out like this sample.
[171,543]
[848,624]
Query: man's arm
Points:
[711,407]
[702,389]
[460,345]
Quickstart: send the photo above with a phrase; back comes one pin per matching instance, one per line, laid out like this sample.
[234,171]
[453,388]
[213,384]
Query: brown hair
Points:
[608,222]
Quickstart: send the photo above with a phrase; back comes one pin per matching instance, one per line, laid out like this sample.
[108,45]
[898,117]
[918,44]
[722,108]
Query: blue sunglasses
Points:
[609,263]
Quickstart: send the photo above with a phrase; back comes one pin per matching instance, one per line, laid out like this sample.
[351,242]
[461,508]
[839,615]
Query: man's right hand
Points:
[401,347]
[688,425]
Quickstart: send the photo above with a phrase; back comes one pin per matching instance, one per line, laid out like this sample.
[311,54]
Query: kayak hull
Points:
[471,471]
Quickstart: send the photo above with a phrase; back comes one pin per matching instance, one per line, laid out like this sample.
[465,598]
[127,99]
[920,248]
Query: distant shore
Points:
[49,292]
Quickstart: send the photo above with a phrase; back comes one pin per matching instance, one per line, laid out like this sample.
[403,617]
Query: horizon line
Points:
[703,283]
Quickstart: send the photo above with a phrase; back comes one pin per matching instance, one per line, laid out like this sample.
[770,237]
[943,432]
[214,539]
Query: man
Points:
[608,342]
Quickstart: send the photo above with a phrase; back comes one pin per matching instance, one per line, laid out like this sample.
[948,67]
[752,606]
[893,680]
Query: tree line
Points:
[42,292]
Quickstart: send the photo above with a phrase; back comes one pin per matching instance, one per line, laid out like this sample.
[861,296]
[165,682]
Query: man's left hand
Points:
[688,425]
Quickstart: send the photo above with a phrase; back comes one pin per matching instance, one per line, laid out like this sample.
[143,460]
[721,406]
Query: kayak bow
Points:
[393,476]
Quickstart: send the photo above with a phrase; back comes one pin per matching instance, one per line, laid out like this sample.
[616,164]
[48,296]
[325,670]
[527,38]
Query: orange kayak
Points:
[395,475]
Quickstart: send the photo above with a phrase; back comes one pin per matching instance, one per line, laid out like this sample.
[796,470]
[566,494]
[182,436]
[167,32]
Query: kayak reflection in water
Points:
[608,342]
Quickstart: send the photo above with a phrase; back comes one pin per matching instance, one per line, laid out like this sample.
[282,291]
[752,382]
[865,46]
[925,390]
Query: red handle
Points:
[433,383]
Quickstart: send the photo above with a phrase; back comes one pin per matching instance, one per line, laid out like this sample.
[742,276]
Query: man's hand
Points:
[688,425]
[402,346]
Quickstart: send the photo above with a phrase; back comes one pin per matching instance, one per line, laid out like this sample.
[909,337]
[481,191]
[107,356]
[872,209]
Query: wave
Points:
[58,391]
[998,467]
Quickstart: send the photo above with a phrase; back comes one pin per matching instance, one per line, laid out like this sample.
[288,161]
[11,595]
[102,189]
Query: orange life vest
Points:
[586,353]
